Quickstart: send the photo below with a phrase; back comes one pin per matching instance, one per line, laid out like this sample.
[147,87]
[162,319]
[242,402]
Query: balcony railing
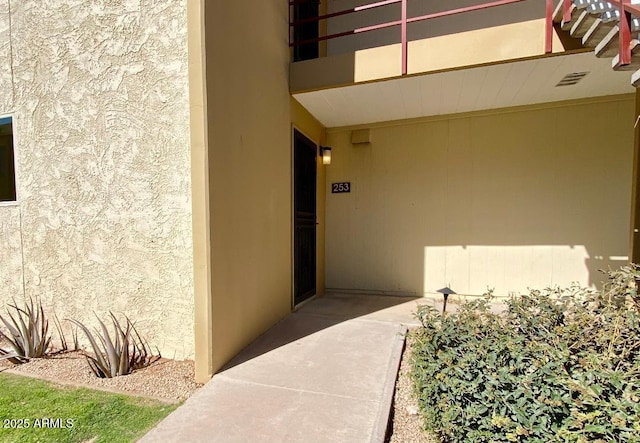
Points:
[623,15]
[620,11]
[402,21]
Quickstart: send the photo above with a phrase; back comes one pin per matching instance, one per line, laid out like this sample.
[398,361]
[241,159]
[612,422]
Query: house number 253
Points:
[340,187]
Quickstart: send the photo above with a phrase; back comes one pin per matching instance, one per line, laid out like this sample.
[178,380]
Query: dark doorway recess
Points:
[306,31]
[304,192]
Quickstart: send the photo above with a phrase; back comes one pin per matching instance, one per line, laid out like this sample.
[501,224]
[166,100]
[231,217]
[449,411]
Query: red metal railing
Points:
[548,32]
[627,11]
[624,34]
[402,22]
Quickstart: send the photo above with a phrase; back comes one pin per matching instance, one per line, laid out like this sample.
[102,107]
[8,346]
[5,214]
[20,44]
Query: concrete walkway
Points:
[323,374]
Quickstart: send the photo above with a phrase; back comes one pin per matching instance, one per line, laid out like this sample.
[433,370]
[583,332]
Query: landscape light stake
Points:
[446,292]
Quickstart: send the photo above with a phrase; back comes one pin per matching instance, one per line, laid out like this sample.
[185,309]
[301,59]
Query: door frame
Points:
[294,306]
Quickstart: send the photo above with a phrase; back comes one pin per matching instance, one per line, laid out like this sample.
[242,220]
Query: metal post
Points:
[548,35]
[566,11]
[403,38]
[624,35]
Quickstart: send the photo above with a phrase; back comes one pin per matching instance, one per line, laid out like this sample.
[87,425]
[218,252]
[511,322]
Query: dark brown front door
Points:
[304,159]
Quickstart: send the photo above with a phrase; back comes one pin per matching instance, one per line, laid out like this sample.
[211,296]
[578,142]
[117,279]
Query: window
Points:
[7,167]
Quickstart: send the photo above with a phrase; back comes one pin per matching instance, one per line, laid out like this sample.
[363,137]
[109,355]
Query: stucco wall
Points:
[249,143]
[101,124]
[525,197]
[10,253]
[10,249]
[6,98]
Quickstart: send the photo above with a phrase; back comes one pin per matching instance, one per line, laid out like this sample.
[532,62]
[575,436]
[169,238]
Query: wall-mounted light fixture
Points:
[325,153]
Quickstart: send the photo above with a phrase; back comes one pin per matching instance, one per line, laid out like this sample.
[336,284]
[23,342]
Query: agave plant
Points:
[117,355]
[28,331]
[64,344]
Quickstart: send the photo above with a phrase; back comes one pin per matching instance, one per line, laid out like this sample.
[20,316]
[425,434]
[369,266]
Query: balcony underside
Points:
[517,83]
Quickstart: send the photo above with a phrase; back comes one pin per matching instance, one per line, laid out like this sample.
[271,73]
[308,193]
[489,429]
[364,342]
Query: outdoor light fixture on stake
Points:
[446,292]
[325,153]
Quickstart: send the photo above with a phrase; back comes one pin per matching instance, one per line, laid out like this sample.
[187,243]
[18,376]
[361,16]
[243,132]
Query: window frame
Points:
[12,119]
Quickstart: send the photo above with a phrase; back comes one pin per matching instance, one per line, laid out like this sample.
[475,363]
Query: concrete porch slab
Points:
[324,374]
[345,305]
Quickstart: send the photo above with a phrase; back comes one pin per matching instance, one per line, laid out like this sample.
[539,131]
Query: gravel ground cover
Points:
[167,380]
[407,425]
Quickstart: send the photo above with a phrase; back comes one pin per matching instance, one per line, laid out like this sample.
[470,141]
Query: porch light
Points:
[325,153]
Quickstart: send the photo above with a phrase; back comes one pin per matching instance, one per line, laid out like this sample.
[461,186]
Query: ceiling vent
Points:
[572,79]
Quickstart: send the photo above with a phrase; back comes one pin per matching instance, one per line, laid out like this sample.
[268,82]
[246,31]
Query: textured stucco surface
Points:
[6,93]
[102,138]
[10,253]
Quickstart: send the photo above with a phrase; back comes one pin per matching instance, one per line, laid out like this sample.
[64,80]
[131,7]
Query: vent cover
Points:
[572,79]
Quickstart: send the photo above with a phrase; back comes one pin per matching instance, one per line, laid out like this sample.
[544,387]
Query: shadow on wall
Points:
[507,200]
[468,21]
[511,32]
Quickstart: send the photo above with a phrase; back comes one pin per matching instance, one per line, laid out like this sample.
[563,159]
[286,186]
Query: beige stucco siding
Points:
[10,253]
[6,98]
[10,250]
[101,124]
[249,127]
[526,197]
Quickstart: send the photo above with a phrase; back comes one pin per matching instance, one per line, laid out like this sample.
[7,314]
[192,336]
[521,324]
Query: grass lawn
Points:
[36,411]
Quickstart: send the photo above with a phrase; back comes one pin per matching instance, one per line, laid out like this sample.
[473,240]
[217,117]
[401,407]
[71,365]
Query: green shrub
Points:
[558,365]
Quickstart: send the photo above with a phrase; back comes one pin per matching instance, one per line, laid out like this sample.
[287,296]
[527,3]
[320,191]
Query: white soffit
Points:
[488,87]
